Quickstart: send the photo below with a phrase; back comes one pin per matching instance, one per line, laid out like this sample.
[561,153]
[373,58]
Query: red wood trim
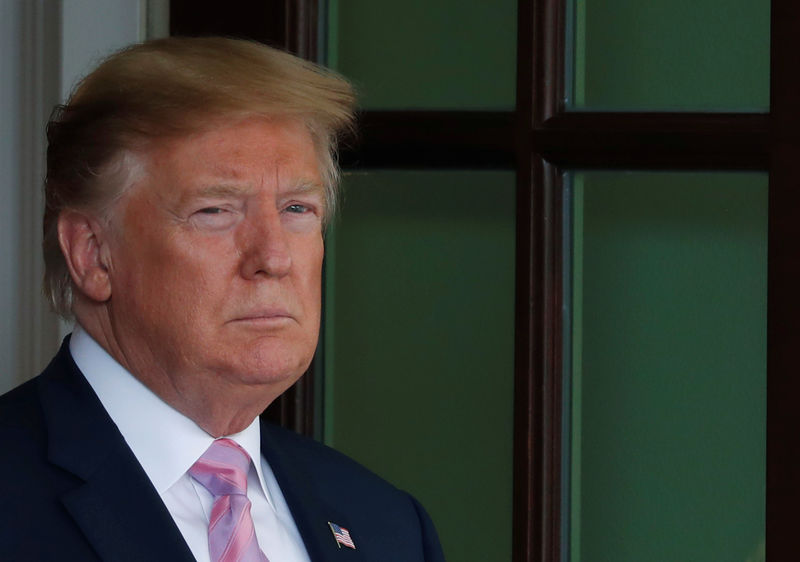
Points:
[480,139]
[302,17]
[783,341]
[259,20]
[783,297]
[538,366]
[655,140]
[538,343]
[424,139]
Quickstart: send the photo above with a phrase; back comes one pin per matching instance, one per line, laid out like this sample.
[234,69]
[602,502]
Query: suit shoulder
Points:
[20,407]
[387,523]
[24,436]
[24,412]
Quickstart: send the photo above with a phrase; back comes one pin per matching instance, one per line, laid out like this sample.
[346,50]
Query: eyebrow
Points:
[305,187]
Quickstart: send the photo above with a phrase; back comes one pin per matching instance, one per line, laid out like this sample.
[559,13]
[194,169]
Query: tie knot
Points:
[222,469]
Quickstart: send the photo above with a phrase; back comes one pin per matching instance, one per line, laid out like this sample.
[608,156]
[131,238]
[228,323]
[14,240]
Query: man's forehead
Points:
[242,188]
[246,167]
[227,133]
[241,155]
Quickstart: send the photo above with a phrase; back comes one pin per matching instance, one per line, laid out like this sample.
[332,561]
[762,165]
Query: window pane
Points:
[419,345]
[416,54]
[700,55]
[668,367]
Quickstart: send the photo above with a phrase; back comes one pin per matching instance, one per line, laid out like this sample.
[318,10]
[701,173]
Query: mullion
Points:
[655,140]
[431,139]
[461,139]
[783,279]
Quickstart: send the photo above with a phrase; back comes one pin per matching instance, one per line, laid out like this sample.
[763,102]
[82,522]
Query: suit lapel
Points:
[116,506]
[124,522]
[310,514]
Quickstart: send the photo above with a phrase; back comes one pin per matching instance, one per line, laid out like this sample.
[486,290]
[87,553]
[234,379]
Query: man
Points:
[189,183]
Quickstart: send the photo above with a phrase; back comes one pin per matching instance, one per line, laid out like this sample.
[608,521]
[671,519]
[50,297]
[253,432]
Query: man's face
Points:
[216,258]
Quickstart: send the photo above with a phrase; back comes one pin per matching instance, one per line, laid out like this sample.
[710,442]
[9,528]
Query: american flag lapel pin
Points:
[342,536]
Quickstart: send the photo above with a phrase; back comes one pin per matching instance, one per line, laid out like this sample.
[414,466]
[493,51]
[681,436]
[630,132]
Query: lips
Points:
[264,314]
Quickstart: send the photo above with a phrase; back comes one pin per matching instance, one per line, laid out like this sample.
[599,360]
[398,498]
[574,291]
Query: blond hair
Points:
[174,87]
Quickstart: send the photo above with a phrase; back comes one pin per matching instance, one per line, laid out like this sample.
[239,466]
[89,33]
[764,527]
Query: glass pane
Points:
[416,54]
[419,345]
[668,367]
[702,55]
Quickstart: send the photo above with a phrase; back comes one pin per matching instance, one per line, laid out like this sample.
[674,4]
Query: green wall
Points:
[669,366]
[419,345]
[702,55]
[422,54]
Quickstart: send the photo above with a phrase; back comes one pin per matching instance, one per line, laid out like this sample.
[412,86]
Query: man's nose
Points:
[265,248]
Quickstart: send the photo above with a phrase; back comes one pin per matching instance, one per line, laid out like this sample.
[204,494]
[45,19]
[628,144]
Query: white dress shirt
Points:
[167,444]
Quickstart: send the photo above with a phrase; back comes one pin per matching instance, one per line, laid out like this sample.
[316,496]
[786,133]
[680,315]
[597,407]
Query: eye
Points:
[298,208]
[302,216]
[214,218]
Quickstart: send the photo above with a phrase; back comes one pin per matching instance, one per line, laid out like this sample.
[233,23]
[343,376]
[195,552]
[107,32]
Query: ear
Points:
[82,242]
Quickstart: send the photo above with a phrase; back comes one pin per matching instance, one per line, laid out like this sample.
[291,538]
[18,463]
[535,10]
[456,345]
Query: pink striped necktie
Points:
[222,470]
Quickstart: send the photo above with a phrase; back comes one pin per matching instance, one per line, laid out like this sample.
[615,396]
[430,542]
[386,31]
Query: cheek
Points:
[193,284]
[163,278]
[309,262]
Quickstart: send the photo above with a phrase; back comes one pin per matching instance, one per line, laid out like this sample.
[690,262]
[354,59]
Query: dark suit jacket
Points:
[71,488]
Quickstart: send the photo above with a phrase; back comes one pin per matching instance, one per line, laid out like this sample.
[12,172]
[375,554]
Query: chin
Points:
[284,372]
[263,361]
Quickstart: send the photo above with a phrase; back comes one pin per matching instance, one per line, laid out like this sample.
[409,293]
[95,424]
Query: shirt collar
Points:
[165,442]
